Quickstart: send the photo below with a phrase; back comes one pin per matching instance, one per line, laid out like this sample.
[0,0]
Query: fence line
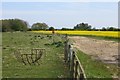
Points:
[75,66]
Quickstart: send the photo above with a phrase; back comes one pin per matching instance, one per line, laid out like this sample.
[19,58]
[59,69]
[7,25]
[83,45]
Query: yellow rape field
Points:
[114,34]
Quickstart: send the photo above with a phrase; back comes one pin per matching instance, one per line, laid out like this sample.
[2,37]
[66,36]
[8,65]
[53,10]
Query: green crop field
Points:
[51,66]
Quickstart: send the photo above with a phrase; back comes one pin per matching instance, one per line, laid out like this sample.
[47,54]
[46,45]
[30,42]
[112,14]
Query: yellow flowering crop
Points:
[94,33]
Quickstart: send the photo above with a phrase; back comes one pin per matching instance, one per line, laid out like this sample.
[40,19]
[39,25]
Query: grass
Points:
[51,66]
[96,69]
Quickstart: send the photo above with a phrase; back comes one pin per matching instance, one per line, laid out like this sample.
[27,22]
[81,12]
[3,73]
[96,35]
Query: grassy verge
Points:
[51,65]
[96,69]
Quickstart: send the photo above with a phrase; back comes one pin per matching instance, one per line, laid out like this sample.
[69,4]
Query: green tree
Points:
[6,26]
[82,26]
[94,29]
[65,29]
[104,29]
[111,28]
[39,26]
[51,28]
[14,25]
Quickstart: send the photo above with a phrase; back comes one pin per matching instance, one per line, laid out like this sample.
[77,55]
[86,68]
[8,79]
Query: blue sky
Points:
[63,14]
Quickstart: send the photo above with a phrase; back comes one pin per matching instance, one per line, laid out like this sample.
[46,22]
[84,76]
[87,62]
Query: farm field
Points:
[114,34]
[99,57]
[59,40]
[51,63]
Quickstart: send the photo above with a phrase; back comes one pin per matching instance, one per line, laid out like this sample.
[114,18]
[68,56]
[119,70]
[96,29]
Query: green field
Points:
[51,66]
[97,69]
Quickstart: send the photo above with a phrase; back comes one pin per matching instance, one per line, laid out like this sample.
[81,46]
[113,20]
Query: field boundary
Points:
[75,67]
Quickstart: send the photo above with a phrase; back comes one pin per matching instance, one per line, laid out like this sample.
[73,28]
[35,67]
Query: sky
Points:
[63,14]
[59,0]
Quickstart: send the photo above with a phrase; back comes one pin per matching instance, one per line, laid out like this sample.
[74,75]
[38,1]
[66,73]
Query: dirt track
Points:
[106,51]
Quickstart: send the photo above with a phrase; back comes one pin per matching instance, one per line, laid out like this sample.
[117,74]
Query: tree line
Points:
[21,25]
[87,27]
[13,25]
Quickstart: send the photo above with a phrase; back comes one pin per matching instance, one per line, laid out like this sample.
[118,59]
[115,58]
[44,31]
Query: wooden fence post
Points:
[76,67]
[65,53]
[81,76]
[66,36]
[69,55]
[66,50]
[72,64]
